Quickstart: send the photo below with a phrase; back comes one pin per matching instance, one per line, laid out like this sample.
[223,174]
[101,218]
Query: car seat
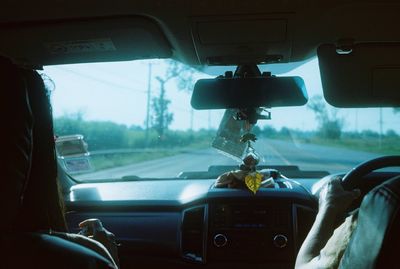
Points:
[375,242]
[28,161]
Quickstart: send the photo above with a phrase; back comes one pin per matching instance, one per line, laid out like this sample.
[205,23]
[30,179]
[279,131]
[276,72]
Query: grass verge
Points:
[387,146]
[100,162]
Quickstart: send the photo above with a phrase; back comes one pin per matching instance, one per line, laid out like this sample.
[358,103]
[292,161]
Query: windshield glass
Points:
[133,119]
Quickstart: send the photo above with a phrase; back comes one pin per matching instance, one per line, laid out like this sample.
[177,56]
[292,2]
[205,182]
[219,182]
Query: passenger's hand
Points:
[93,228]
[334,198]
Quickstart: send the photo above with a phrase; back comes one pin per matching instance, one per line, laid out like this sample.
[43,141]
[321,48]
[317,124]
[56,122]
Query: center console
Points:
[256,232]
[242,231]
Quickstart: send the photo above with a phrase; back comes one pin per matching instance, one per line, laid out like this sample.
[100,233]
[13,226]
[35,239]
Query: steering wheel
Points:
[354,178]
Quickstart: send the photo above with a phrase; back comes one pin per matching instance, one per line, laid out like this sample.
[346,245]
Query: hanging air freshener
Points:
[248,176]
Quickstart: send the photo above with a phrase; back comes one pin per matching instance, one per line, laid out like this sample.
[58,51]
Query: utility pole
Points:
[148,106]
[380,127]
[191,119]
[162,108]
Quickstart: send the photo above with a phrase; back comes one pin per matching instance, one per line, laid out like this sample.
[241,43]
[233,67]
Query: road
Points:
[274,152]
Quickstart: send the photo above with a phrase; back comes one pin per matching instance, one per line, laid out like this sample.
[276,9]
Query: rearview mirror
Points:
[225,93]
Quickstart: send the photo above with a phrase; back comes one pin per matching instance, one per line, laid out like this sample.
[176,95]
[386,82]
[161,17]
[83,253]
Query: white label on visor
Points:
[80,46]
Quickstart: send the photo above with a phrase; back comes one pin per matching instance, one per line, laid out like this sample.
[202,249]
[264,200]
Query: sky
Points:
[117,92]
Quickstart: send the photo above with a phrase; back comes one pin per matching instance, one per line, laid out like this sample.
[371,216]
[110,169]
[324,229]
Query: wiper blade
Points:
[131,178]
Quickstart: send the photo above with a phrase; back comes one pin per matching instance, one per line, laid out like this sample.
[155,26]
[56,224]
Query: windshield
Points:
[133,119]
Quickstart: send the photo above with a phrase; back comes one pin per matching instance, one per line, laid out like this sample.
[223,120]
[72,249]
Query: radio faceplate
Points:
[253,231]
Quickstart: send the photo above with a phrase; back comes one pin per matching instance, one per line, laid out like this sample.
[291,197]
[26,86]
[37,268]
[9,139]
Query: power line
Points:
[380,127]
[116,75]
[128,89]
[100,80]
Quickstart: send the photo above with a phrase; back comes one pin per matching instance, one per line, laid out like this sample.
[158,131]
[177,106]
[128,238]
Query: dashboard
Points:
[180,223]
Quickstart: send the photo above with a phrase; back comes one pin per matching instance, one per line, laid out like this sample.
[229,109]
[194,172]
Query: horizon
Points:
[121,97]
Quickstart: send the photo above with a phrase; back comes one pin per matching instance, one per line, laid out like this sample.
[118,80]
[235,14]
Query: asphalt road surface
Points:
[274,152]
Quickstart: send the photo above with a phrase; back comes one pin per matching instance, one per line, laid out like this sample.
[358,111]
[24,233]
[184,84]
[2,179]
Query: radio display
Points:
[248,216]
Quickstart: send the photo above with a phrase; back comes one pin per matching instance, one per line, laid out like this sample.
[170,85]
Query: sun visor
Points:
[362,75]
[84,40]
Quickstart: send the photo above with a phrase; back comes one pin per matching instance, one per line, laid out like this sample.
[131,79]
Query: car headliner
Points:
[198,33]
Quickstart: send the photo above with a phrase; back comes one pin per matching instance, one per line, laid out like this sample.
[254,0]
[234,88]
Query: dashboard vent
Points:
[193,233]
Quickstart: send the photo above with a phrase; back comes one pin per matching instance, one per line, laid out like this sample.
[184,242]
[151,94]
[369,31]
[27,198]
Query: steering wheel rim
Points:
[353,178]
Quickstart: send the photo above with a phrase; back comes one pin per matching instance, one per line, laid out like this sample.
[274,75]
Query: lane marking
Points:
[280,156]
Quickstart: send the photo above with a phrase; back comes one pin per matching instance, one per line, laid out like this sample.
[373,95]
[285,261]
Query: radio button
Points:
[280,241]
[220,240]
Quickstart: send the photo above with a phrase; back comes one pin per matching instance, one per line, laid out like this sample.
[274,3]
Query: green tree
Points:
[391,133]
[98,134]
[69,124]
[330,124]
[269,131]
[183,75]
[161,117]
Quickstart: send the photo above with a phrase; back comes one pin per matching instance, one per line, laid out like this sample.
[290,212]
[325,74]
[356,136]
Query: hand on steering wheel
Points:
[334,198]
[340,188]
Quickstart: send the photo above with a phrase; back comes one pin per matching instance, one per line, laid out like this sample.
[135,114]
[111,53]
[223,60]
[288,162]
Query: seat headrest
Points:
[42,208]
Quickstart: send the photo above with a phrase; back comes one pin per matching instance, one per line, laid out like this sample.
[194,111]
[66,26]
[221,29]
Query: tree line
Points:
[109,135]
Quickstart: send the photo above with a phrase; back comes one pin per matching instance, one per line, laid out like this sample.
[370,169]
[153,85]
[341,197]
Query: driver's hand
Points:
[334,198]
[94,229]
